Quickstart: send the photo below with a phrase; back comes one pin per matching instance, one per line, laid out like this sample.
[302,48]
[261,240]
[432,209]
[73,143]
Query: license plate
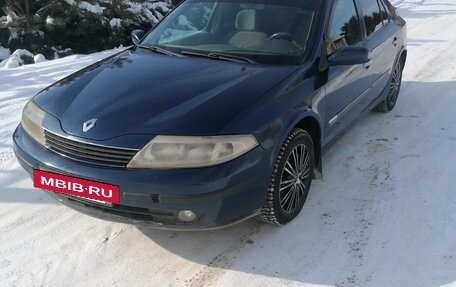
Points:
[91,190]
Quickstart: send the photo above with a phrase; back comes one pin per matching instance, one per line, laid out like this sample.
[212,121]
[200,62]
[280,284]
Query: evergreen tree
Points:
[47,26]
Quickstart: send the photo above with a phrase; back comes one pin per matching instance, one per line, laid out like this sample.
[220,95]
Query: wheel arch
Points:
[403,58]
[311,125]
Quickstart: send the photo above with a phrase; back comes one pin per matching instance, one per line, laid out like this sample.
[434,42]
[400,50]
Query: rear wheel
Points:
[291,179]
[389,103]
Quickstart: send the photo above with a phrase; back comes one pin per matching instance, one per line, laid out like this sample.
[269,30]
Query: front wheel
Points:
[290,180]
[389,103]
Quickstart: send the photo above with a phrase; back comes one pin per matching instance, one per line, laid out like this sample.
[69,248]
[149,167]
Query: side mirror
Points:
[349,56]
[137,35]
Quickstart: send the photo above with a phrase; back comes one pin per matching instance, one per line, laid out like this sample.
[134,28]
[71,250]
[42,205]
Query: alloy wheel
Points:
[395,86]
[294,179]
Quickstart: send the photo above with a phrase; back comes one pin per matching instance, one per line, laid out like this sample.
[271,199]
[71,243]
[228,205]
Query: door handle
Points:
[395,41]
[368,64]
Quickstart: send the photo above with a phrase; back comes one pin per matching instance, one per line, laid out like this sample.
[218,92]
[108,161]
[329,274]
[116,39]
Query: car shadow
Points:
[382,216]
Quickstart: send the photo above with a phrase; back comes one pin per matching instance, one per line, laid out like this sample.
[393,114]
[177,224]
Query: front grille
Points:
[88,153]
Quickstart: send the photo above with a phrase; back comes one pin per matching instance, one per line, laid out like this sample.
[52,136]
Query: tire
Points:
[288,189]
[389,103]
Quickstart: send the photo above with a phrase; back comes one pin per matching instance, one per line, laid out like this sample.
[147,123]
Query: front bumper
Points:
[219,195]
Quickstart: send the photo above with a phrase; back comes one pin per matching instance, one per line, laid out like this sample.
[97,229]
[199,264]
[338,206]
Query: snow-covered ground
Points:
[4,53]
[385,214]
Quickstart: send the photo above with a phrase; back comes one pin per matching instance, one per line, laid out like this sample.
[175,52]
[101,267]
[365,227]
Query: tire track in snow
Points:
[5,157]
[376,175]
[435,43]
[215,269]
[9,118]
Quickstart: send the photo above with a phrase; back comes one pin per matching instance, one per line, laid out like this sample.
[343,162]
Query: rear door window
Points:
[384,11]
[372,15]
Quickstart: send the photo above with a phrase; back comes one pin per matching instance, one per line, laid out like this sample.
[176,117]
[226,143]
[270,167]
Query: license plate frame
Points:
[84,189]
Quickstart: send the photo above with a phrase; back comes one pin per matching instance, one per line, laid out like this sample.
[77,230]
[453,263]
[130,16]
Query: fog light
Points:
[186,215]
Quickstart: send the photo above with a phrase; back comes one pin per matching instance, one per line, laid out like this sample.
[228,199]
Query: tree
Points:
[2,5]
[27,6]
[21,8]
[50,26]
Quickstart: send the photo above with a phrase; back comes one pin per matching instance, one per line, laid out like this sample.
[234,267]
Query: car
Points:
[220,113]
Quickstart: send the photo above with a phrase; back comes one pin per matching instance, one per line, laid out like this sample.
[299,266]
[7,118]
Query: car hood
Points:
[140,92]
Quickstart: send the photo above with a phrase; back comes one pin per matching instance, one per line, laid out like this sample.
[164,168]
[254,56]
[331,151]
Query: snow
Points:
[49,20]
[60,51]
[159,5]
[183,21]
[9,18]
[4,53]
[15,60]
[97,9]
[22,53]
[71,2]
[135,8]
[39,58]
[13,35]
[12,62]
[39,32]
[142,10]
[115,22]
[384,215]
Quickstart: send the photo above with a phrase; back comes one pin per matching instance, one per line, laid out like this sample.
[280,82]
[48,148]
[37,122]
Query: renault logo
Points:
[87,126]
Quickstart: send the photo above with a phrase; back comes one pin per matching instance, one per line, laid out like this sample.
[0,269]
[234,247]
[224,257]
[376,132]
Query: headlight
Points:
[32,121]
[168,152]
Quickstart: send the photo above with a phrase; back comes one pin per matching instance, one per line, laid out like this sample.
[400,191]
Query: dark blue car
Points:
[218,114]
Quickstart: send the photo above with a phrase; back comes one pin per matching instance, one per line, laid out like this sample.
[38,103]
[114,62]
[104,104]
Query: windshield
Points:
[258,31]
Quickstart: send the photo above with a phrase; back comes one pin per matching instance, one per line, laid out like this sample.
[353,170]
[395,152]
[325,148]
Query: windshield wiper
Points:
[158,50]
[255,52]
[220,56]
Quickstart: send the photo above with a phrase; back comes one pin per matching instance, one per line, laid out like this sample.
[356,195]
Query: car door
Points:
[346,85]
[382,44]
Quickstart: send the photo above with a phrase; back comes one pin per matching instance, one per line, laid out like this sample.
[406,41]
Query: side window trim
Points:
[361,20]
[387,12]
